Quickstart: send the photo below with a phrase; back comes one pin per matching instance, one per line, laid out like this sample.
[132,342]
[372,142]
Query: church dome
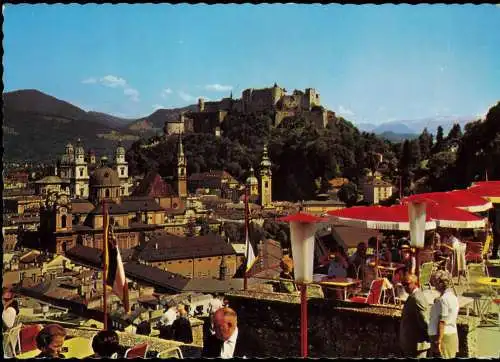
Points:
[104,176]
[69,148]
[252,180]
[79,148]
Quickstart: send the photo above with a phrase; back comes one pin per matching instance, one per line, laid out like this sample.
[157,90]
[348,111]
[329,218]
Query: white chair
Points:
[11,345]
[170,353]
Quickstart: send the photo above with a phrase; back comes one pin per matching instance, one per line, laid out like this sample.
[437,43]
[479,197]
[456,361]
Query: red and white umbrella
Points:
[488,189]
[461,199]
[396,217]
[377,217]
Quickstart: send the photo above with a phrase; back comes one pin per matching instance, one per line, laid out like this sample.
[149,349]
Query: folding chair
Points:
[474,252]
[477,291]
[11,341]
[374,295]
[171,353]
[137,351]
[426,270]
[27,337]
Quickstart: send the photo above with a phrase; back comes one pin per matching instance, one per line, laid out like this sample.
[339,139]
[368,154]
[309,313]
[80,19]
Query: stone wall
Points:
[336,329]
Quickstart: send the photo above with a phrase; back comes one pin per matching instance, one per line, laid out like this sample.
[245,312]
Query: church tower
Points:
[181,171]
[265,180]
[80,181]
[252,183]
[121,166]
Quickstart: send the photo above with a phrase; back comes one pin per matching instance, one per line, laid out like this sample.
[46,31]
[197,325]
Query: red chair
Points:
[27,337]
[138,351]
[374,295]
[474,252]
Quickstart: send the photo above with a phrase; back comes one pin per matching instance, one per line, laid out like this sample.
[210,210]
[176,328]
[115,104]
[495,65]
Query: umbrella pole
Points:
[417,262]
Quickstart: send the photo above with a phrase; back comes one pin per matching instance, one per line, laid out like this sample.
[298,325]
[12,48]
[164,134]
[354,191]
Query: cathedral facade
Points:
[75,168]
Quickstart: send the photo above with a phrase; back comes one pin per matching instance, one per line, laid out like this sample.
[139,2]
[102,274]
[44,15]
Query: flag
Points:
[249,252]
[115,272]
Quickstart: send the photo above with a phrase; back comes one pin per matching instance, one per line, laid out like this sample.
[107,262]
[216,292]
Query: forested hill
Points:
[304,158]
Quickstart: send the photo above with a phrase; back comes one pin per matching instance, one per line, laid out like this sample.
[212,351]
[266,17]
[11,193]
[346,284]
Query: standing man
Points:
[443,321]
[413,337]
[229,341]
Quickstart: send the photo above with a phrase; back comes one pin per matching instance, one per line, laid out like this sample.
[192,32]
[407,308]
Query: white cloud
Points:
[218,87]
[132,93]
[158,106]
[345,111]
[165,92]
[91,80]
[113,81]
[190,98]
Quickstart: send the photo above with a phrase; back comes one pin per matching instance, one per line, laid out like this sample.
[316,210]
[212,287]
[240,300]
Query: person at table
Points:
[358,258]
[166,322]
[182,326]
[50,341]
[338,265]
[286,284]
[106,344]
[443,319]
[413,337]
[385,253]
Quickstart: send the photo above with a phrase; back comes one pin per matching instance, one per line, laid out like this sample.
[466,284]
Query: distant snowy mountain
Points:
[416,126]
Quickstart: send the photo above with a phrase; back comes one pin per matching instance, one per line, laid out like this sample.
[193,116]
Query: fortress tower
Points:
[181,171]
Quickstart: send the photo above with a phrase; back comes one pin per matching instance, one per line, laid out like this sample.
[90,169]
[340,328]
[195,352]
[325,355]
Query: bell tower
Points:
[121,166]
[181,170]
[265,180]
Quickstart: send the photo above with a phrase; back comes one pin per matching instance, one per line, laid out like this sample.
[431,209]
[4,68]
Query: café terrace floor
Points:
[489,336]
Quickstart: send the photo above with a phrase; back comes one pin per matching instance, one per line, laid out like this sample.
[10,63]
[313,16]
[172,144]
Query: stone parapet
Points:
[336,329]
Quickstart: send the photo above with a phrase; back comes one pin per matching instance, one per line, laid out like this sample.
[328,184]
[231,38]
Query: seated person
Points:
[182,326]
[107,345]
[385,253]
[50,341]
[410,262]
[357,261]
[338,264]
[286,265]
[168,318]
[143,328]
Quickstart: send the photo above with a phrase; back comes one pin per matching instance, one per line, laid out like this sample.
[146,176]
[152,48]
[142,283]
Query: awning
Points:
[461,199]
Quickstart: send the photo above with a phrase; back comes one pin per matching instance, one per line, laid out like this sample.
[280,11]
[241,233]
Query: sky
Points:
[370,64]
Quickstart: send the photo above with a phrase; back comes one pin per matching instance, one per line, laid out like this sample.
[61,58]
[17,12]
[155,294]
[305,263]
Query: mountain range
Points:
[415,126]
[37,126]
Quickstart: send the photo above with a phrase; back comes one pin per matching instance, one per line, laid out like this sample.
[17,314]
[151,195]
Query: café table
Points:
[76,347]
[494,284]
[339,284]
[385,269]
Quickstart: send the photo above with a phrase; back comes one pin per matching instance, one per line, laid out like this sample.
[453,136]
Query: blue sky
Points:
[369,63]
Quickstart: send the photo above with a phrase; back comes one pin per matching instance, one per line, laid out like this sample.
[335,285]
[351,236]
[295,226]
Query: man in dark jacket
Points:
[229,341]
[182,326]
[413,337]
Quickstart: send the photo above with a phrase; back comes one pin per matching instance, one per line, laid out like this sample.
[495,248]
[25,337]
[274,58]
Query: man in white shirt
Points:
[228,341]
[443,320]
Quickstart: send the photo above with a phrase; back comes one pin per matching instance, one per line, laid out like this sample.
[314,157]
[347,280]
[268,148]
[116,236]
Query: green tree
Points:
[425,142]
[438,147]
[348,193]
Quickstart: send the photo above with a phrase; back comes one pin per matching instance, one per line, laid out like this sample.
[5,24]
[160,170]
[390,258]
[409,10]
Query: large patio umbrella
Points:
[396,217]
[488,189]
[377,217]
[461,199]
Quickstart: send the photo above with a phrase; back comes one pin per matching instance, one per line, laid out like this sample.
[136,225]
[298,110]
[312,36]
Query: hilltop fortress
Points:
[210,115]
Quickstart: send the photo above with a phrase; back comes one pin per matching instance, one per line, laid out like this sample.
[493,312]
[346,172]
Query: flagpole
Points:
[105,263]
[247,240]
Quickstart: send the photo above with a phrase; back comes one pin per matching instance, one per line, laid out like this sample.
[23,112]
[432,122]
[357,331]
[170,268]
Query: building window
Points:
[63,221]
[122,191]
[122,171]
[266,183]
[81,172]
[82,191]
[107,193]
